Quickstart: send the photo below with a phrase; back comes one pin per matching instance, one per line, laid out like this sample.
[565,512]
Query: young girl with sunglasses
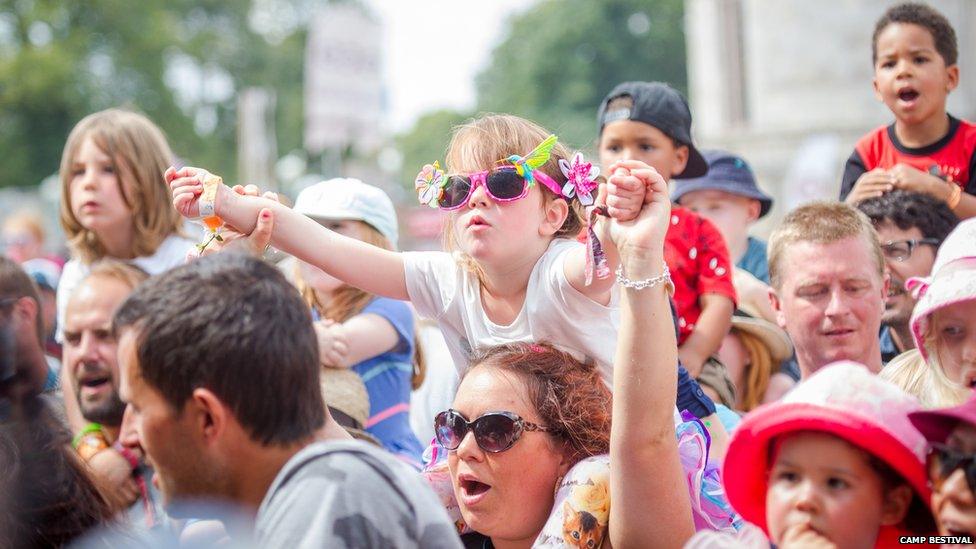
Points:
[528,418]
[951,433]
[513,271]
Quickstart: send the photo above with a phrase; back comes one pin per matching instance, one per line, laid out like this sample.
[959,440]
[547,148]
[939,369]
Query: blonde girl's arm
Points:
[356,263]
[623,195]
[646,474]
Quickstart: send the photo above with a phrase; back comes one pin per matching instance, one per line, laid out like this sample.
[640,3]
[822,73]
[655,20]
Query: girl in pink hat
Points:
[951,433]
[836,463]
[944,321]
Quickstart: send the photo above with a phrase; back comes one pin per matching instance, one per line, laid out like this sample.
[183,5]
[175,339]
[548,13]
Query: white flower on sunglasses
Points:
[430,184]
[580,178]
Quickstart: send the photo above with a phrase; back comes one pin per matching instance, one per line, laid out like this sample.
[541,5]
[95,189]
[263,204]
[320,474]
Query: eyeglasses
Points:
[494,432]
[900,250]
[942,461]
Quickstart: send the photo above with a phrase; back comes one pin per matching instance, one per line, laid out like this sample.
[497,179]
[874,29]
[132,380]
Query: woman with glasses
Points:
[951,433]
[530,428]
[944,320]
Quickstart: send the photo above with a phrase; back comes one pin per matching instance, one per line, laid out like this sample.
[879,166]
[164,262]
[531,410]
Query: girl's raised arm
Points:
[646,478]
[356,263]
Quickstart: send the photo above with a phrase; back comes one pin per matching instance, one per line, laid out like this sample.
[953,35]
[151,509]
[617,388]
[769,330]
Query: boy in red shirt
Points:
[926,150]
[649,123]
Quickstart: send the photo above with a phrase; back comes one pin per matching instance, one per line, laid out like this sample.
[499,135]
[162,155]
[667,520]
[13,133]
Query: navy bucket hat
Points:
[727,173]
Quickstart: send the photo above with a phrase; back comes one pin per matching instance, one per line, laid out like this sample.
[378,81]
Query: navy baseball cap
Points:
[727,173]
[661,106]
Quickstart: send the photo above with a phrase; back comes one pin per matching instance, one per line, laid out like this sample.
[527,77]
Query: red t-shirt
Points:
[699,263]
[952,158]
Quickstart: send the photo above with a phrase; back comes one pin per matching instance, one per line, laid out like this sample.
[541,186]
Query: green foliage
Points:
[60,61]
[561,57]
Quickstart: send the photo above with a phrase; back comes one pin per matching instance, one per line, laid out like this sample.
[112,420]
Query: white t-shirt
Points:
[554,312]
[171,253]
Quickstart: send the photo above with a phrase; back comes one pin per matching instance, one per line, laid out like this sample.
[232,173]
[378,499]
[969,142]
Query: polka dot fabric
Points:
[699,263]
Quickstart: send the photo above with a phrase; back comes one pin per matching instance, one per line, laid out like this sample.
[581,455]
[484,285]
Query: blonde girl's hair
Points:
[481,143]
[139,154]
[758,373]
[924,381]
[348,301]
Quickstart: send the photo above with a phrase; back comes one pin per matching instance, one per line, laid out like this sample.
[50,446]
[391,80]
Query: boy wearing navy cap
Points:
[729,197]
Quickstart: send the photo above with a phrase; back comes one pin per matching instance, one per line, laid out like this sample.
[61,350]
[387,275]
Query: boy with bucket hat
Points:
[728,197]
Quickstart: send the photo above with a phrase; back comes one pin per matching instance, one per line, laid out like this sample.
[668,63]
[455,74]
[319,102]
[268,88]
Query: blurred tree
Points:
[426,142]
[561,57]
[179,61]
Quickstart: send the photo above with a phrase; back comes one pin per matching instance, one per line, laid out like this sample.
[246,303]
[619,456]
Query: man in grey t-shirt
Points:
[219,363]
[351,494]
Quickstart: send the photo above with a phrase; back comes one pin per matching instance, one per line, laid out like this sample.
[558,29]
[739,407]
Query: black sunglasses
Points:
[942,461]
[900,250]
[494,431]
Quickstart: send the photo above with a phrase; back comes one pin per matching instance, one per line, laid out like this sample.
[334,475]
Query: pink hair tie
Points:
[537,348]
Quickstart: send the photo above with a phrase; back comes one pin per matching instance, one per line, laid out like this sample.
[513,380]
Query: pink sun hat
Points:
[936,425]
[843,399]
[953,280]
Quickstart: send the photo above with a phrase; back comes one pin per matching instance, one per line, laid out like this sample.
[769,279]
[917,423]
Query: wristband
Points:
[90,441]
[208,198]
[954,196]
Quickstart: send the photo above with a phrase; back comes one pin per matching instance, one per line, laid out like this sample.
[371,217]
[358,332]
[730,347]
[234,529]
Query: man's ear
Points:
[556,212]
[895,505]
[777,307]
[210,417]
[26,309]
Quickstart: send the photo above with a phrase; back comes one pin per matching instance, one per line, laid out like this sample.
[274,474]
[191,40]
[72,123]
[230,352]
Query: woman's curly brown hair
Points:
[570,396]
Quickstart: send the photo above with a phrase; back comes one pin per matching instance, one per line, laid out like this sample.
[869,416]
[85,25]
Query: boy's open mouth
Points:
[908,95]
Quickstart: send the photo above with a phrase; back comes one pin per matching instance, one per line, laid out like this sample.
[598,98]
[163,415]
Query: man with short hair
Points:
[828,283]
[91,370]
[219,363]
[911,226]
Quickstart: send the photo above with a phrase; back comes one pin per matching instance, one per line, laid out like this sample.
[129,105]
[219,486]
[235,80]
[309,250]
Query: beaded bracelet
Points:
[663,278]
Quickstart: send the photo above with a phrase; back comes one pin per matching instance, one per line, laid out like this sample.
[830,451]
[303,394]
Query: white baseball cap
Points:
[347,198]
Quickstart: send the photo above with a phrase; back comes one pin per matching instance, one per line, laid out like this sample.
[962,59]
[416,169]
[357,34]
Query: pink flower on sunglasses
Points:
[580,178]
[430,184]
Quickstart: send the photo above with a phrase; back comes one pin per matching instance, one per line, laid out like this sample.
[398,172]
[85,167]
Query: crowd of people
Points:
[621,362]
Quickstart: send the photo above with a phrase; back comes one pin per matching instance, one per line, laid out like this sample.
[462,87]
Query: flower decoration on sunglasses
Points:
[580,178]
[430,184]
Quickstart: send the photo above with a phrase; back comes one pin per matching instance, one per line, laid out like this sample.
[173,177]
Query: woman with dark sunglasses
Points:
[951,433]
[527,417]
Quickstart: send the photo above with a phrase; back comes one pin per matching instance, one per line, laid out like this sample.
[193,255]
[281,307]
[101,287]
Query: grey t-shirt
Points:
[350,494]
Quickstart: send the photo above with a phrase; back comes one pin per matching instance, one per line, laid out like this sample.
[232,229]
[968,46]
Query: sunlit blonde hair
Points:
[140,155]
[758,372]
[482,142]
[925,381]
[821,222]
[348,301]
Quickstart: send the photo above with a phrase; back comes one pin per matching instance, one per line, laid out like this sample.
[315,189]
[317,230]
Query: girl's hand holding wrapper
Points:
[195,195]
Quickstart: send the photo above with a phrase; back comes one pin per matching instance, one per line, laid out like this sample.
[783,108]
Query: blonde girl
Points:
[512,272]
[114,203]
